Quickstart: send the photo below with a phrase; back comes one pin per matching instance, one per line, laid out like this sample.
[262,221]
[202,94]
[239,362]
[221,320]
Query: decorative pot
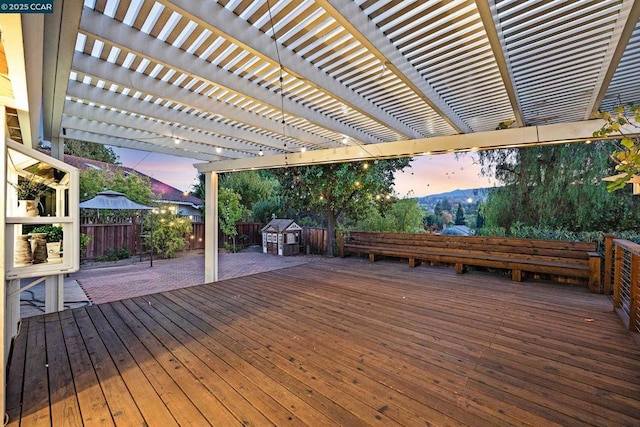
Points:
[53,250]
[27,208]
[23,252]
[39,247]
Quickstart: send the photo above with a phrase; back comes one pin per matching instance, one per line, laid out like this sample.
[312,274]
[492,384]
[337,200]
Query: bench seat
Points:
[563,259]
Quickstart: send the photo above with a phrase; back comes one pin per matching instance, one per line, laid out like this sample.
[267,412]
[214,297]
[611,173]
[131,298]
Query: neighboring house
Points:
[187,204]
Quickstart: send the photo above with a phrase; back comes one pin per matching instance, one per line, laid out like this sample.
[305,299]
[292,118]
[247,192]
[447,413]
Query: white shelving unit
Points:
[58,206]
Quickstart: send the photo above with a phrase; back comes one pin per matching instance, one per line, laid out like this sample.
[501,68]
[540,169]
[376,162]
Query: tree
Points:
[132,185]
[555,186]
[230,211]
[437,210]
[252,186]
[339,189]
[460,215]
[407,215]
[403,216]
[90,150]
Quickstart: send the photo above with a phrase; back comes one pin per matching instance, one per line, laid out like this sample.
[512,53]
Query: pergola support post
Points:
[211,228]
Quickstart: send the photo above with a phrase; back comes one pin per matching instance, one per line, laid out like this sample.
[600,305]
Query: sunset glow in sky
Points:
[427,174]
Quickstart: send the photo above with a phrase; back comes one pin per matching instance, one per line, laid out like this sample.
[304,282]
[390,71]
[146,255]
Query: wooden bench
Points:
[564,261]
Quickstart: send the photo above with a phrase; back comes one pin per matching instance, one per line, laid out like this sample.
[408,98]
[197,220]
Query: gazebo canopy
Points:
[112,200]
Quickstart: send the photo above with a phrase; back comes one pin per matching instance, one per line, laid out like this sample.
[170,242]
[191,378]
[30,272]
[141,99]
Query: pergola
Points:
[243,84]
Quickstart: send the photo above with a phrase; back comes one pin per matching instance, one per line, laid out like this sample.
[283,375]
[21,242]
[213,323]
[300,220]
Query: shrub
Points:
[54,233]
[169,231]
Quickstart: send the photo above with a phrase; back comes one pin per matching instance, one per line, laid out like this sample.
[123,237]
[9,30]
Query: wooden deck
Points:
[337,342]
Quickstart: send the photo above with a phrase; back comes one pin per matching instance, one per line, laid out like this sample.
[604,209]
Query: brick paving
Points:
[108,284]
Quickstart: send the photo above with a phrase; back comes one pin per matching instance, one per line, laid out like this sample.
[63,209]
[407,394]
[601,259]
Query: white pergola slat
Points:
[354,73]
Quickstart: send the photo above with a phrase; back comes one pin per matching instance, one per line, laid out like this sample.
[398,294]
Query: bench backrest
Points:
[513,246]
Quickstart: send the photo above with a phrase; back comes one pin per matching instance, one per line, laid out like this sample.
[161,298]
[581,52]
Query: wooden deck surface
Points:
[337,342]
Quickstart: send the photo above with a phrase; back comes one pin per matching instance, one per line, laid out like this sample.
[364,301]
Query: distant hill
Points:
[454,197]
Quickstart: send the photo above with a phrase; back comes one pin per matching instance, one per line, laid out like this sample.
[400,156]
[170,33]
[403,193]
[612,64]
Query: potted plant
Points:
[53,236]
[29,192]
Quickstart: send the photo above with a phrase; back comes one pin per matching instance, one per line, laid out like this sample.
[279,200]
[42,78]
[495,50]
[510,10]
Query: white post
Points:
[54,293]
[54,285]
[5,339]
[211,227]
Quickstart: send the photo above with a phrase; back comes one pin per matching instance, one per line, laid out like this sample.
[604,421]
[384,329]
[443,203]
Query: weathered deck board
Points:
[340,342]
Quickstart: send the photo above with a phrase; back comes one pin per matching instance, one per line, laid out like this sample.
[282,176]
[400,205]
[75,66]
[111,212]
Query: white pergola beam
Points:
[246,140]
[143,45]
[145,137]
[490,21]
[126,78]
[348,14]
[506,138]
[101,138]
[61,29]
[261,45]
[187,137]
[618,42]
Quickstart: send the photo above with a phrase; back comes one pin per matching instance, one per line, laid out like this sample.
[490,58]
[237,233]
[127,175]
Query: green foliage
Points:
[54,233]
[520,230]
[114,255]
[340,191]
[460,216]
[198,189]
[169,231]
[230,211]
[627,148]
[252,186]
[31,188]
[134,186]
[264,209]
[90,150]
[556,187]
[84,243]
[407,216]
[403,216]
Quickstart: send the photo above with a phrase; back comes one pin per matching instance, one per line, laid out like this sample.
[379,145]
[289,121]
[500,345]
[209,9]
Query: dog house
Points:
[281,237]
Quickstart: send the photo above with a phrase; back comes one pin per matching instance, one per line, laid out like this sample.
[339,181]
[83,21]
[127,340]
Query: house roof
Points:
[279,225]
[163,192]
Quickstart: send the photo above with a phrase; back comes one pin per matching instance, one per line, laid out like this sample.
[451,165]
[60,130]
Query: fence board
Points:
[105,237]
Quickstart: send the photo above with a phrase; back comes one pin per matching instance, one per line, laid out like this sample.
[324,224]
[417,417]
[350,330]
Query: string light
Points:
[281,80]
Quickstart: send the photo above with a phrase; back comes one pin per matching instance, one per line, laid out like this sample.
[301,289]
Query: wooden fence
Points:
[110,238]
[314,241]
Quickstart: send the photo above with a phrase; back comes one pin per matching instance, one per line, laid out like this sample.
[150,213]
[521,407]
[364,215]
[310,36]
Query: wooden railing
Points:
[626,281]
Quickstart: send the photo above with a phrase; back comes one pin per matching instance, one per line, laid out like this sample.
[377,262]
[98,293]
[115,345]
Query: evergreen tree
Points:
[460,215]
[437,210]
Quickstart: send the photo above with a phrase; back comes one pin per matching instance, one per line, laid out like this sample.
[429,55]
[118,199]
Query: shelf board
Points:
[39,220]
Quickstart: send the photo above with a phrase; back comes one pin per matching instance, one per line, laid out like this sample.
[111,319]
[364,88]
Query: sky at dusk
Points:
[427,174]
